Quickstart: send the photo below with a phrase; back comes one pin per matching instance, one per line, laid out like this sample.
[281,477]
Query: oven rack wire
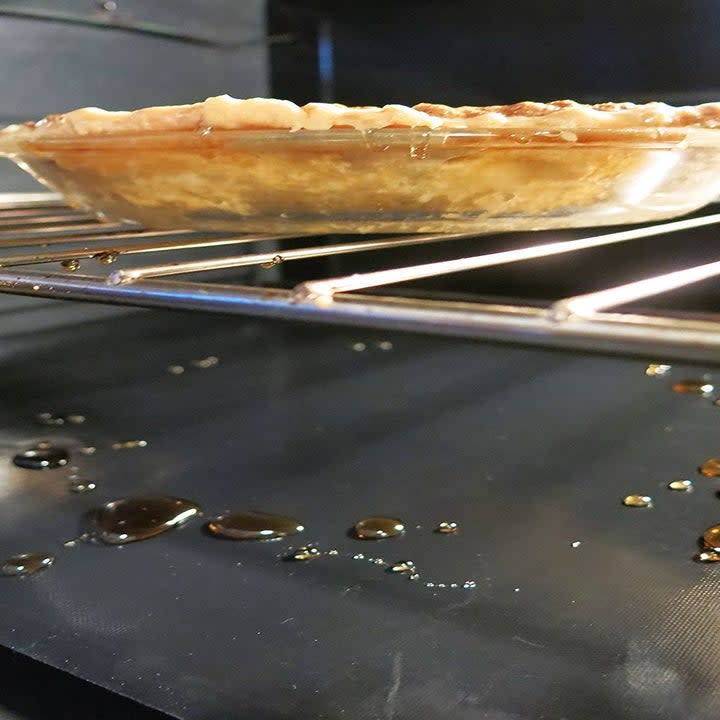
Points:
[37,228]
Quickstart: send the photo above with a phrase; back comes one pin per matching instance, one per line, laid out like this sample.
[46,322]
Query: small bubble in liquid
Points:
[89,450]
[403,566]
[707,556]
[378,528]
[42,458]
[81,486]
[447,528]
[657,370]
[681,485]
[176,369]
[254,526]
[693,386]
[306,552]
[129,444]
[710,468]
[107,258]
[205,363]
[638,501]
[359,346]
[70,265]
[27,563]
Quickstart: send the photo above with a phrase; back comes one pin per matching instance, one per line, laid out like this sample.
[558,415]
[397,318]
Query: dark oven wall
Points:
[61,54]
[471,52]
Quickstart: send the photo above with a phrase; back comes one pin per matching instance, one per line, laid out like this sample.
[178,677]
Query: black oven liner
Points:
[529,451]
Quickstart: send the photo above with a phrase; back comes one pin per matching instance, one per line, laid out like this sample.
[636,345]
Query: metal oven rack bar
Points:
[589,321]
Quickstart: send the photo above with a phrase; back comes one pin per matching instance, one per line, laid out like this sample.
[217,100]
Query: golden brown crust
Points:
[620,114]
[228,113]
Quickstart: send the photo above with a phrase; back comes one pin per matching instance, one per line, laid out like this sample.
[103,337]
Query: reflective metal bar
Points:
[88,238]
[361,281]
[620,295]
[23,221]
[277,257]
[194,240]
[576,322]
[54,231]
[41,212]
[693,339]
[14,201]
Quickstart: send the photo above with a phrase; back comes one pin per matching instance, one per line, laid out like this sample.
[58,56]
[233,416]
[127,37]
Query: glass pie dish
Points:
[395,180]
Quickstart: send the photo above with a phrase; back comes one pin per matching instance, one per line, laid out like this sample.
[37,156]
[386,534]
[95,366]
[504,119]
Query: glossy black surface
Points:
[528,451]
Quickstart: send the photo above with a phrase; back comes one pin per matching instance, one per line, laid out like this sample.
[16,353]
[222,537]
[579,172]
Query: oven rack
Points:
[34,227]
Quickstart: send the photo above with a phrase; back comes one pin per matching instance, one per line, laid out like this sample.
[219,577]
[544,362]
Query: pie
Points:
[270,165]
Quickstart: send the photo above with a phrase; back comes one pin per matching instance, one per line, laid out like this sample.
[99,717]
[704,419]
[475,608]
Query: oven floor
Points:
[529,451]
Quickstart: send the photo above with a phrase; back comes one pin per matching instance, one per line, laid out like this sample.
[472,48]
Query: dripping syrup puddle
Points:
[27,564]
[253,526]
[694,386]
[134,519]
[42,457]
[378,527]
[139,518]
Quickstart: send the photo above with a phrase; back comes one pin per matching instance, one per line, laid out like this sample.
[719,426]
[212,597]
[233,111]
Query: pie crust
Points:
[228,113]
[270,165]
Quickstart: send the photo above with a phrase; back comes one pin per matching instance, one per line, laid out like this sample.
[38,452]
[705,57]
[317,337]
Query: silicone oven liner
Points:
[529,451]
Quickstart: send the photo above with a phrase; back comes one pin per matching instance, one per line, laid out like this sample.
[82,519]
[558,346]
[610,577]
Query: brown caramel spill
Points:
[447,528]
[306,552]
[254,526]
[640,501]
[657,370]
[140,518]
[693,386]
[42,458]
[378,528]
[711,538]
[711,467]
[681,485]
[27,563]
[403,567]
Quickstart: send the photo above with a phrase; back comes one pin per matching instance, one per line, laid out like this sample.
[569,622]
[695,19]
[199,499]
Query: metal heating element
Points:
[43,224]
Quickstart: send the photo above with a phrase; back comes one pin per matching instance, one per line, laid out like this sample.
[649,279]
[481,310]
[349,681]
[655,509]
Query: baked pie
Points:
[269,165]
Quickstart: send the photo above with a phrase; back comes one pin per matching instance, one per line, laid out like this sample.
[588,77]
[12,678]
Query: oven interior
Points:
[457,397]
